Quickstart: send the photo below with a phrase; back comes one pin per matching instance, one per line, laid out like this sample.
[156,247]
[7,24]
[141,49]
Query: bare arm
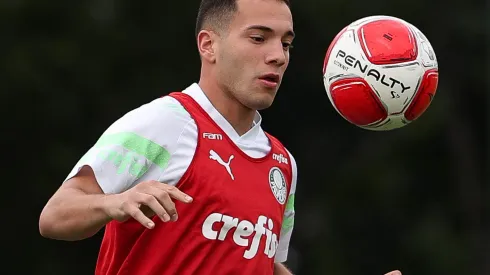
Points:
[76,210]
[79,209]
[280,269]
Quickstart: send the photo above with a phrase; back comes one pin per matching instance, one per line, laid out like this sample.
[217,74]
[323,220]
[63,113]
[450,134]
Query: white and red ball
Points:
[380,73]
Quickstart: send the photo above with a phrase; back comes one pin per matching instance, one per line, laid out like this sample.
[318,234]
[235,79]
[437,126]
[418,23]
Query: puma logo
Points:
[214,156]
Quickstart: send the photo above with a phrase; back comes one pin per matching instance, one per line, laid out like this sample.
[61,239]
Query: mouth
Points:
[270,80]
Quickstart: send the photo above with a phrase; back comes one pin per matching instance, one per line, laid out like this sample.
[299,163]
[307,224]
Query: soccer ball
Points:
[380,73]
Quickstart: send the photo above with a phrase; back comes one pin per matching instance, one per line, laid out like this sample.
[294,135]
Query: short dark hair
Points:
[218,12]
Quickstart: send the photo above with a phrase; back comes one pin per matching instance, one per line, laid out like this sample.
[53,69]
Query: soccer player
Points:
[190,183]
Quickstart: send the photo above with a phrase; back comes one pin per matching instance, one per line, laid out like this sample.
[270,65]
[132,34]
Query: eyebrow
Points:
[267,29]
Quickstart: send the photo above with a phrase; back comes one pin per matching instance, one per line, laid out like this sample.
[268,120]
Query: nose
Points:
[277,56]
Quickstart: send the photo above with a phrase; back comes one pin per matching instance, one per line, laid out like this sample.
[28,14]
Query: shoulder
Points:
[290,157]
[153,127]
[160,121]
[294,171]
[137,146]
[152,118]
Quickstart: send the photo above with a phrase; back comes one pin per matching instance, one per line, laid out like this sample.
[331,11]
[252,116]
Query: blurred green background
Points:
[414,199]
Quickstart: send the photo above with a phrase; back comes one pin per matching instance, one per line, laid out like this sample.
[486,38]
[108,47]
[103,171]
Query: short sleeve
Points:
[288,219]
[136,147]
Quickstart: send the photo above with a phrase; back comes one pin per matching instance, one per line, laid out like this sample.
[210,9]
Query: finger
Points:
[138,215]
[164,199]
[169,205]
[395,272]
[173,191]
[150,200]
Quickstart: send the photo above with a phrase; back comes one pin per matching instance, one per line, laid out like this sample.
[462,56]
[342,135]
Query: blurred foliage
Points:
[414,199]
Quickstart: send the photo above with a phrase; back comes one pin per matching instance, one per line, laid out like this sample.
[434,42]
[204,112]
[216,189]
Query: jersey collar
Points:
[198,95]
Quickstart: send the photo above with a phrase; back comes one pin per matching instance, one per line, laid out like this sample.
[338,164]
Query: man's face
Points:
[253,54]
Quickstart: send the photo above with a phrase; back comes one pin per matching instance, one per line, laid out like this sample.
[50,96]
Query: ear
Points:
[206,43]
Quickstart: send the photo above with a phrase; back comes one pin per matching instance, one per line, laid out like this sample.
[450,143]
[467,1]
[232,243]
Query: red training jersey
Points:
[232,226]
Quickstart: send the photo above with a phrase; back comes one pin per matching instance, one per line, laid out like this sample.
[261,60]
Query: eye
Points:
[287,45]
[257,39]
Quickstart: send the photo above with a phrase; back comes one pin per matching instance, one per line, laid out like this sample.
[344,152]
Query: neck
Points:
[240,117]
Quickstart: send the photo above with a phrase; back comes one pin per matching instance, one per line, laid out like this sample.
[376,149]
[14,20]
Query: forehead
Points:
[274,14]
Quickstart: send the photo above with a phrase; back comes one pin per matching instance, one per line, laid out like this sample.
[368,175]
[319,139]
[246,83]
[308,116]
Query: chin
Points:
[261,102]
[263,106]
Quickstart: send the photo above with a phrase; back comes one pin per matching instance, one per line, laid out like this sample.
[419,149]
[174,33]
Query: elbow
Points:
[51,227]
[47,225]
[46,228]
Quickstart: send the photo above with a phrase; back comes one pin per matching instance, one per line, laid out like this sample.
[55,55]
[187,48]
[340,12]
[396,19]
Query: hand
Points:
[145,200]
[395,272]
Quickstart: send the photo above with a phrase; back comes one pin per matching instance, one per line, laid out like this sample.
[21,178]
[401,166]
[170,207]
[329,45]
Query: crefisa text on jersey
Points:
[243,230]
[280,158]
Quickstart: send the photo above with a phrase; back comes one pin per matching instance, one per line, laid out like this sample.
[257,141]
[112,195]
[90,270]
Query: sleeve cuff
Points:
[281,256]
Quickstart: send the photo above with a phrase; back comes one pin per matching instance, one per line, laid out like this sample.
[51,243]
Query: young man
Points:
[190,183]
